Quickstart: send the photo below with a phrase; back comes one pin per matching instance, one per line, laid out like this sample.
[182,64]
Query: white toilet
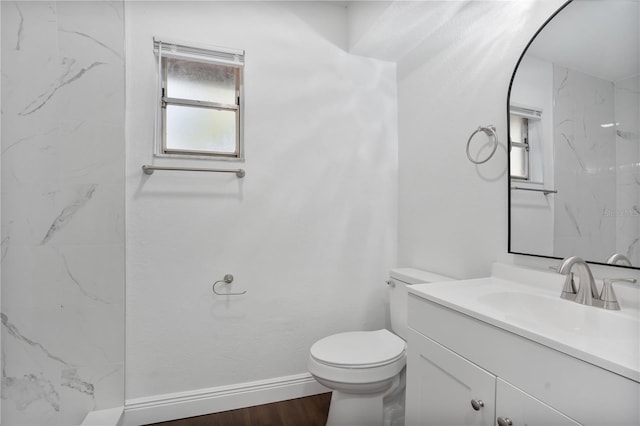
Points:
[365,369]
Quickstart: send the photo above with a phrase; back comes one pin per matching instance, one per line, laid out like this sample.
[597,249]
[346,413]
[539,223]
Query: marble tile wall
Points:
[627,214]
[585,160]
[62,242]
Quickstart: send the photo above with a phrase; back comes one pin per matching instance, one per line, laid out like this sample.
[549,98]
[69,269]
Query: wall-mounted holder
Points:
[544,191]
[490,131]
[150,169]
[228,278]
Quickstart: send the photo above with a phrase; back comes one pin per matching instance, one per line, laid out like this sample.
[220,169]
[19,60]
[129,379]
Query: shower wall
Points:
[627,215]
[597,135]
[585,159]
[62,210]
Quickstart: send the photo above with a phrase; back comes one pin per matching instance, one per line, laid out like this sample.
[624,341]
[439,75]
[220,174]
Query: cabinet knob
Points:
[504,421]
[477,404]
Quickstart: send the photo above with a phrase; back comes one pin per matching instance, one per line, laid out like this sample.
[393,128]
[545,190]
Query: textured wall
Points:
[532,212]
[453,214]
[309,233]
[62,210]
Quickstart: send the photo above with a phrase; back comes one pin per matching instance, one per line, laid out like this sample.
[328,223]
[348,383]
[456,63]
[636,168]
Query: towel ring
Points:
[490,131]
[228,278]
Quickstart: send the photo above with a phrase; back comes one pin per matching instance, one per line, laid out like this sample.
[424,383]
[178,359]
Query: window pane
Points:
[200,129]
[200,81]
[516,128]
[519,163]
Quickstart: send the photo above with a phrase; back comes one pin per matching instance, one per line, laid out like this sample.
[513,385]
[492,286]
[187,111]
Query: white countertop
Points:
[608,339]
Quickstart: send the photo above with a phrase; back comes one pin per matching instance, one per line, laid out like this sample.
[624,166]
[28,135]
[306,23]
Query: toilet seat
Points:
[359,349]
[358,357]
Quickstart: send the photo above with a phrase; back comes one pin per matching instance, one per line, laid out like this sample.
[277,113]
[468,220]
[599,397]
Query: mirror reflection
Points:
[574,112]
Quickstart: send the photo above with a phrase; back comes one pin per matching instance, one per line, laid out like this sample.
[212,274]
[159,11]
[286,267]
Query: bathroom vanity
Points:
[508,350]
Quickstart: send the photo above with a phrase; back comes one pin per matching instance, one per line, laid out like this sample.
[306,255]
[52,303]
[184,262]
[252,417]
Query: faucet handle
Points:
[608,296]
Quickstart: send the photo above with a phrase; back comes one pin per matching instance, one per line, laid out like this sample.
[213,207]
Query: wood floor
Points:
[308,411]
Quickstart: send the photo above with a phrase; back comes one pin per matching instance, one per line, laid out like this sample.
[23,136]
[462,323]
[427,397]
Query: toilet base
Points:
[383,407]
[355,410]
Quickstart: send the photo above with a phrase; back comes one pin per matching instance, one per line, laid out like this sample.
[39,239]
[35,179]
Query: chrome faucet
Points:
[619,259]
[587,293]
[608,296]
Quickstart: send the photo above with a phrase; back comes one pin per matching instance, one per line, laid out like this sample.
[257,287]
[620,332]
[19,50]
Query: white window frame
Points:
[528,115]
[233,58]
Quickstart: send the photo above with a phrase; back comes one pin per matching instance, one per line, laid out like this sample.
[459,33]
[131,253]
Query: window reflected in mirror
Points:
[574,163]
[519,147]
[526,144]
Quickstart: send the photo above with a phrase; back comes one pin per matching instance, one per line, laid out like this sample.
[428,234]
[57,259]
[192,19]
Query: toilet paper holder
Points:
[228,279]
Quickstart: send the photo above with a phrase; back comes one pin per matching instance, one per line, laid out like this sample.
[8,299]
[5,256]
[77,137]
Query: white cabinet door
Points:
[441,386]
[521,409]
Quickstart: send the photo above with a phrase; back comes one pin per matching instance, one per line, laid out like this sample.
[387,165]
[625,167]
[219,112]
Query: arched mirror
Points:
[574,136]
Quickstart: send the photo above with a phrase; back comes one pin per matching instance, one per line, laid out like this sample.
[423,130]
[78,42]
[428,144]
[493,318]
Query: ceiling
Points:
[599,38]
[397,30]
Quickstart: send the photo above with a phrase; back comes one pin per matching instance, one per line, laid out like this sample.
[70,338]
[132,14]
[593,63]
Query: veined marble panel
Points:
[91,388]
[62,214]
[585,164]
[95,54]
[62,210]
[627,110]
[31,376]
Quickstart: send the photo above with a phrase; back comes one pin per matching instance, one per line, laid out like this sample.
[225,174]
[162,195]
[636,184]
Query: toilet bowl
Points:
[366,369]
[361,367]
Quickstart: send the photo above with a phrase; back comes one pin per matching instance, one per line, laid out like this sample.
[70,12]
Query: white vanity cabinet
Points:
[445,389]
[454,359]
[523,409]
[441,386]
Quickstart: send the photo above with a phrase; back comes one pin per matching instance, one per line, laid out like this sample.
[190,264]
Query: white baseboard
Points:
[159,408]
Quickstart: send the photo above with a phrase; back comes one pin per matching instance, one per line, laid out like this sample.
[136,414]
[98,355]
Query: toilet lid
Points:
[359,349]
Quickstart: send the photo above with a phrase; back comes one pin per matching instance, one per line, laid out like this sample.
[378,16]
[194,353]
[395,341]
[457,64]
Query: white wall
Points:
[532,213]
[362,16]
[453,214]
[309,233]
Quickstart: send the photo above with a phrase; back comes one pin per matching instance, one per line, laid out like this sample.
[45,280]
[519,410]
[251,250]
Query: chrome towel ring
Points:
[490,131]
[228,278]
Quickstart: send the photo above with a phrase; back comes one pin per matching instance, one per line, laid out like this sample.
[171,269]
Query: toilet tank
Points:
[399,294]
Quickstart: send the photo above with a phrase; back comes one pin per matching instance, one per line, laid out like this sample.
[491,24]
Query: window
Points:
[521,123]
[519,155]
[200,102]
